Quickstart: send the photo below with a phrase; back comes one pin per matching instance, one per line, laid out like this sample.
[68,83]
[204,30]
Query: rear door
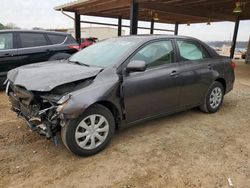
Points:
[58,46]
[8,59]
[155,91]
[33,47]
[196,71]
[62,43]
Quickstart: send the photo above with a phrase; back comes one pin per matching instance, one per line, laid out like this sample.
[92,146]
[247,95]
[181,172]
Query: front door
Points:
[156,90]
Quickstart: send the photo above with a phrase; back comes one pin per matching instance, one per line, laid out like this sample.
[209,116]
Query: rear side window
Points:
[32,40]
[56,39]
[190,51]
[71,40]
[6,41]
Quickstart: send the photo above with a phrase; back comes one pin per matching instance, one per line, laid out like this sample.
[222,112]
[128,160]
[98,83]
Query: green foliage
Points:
[1,26]
[8,26]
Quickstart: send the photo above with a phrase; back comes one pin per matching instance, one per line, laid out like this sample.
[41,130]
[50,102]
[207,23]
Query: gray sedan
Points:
[117,82]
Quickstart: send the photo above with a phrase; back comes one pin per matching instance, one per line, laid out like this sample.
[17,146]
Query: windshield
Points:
[103,54]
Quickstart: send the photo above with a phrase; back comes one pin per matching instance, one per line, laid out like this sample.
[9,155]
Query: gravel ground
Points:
[189,149]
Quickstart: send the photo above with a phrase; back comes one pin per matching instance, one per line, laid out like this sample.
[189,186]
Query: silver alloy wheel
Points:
[92,131]
[215,97]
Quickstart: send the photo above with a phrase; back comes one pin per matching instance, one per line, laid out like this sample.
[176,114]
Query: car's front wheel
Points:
[213,98]
[90,133]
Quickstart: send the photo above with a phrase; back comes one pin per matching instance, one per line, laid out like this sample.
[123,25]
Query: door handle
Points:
[174,74]
[48,51]
[210,67]
[7,55]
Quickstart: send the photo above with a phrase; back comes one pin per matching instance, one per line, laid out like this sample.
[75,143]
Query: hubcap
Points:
[215,97]
[92,131]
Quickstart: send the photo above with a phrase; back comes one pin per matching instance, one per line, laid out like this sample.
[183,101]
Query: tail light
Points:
[233,64]
[76,47]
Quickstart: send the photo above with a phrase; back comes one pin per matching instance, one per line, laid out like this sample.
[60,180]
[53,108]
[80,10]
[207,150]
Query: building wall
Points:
[98,32]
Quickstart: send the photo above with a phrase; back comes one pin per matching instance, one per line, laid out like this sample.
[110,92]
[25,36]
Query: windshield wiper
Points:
[78,63]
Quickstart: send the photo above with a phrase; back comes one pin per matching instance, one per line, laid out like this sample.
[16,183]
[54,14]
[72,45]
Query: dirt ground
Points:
[189,149]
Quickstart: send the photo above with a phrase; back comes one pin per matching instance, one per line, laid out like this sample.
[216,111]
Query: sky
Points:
[40,13]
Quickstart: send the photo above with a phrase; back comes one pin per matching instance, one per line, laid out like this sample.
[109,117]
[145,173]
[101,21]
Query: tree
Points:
[8,26]
[11,26]
[1,26]
[37,28]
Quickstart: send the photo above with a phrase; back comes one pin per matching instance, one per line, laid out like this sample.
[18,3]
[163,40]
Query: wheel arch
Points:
[113,109]
[223,82]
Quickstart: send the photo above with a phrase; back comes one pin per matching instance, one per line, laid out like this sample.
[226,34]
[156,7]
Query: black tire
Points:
[68,132]
[59,56]
[207,106]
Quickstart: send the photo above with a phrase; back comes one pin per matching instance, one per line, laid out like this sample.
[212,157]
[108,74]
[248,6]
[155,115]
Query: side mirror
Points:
[136,66]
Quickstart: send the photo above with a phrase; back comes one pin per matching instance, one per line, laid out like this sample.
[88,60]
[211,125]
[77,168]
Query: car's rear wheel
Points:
[214,98]
[90,133]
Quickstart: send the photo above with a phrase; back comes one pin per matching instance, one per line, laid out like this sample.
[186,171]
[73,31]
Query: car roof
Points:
[149,37]
[32,31]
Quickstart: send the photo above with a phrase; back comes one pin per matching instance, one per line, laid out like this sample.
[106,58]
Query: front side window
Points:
[32,40]
[6,41]
[156,54]
[190,51]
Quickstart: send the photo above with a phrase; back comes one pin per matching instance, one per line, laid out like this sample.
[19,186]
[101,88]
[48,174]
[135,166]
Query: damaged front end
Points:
[38,111]
[41,110]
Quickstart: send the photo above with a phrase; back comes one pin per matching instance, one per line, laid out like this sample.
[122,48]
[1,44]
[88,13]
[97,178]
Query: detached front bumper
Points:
[40,116]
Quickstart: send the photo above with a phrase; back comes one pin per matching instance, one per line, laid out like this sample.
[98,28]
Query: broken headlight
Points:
[62,102]
[64,99]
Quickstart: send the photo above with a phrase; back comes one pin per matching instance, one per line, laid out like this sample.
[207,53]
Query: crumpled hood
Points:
[46,76]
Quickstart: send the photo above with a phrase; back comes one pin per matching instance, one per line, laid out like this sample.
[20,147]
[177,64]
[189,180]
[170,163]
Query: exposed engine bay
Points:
[40,109]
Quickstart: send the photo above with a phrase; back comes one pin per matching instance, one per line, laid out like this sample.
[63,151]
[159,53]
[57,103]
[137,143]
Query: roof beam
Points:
[105,6]
[186,11]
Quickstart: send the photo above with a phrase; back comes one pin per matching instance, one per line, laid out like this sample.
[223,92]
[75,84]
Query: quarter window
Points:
[32,40]
[6,41]
[190,51]
[156,54]
[56,39]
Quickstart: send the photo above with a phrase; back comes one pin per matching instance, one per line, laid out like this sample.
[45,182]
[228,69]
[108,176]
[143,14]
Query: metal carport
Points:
[163,11]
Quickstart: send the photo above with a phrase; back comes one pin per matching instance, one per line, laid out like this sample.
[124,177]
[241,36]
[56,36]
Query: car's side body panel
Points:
[151,92]
[100,90]
[226,72]
[196,78]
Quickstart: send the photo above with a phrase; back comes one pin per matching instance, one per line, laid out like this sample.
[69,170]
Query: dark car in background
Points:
[116,82]
[21,47]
